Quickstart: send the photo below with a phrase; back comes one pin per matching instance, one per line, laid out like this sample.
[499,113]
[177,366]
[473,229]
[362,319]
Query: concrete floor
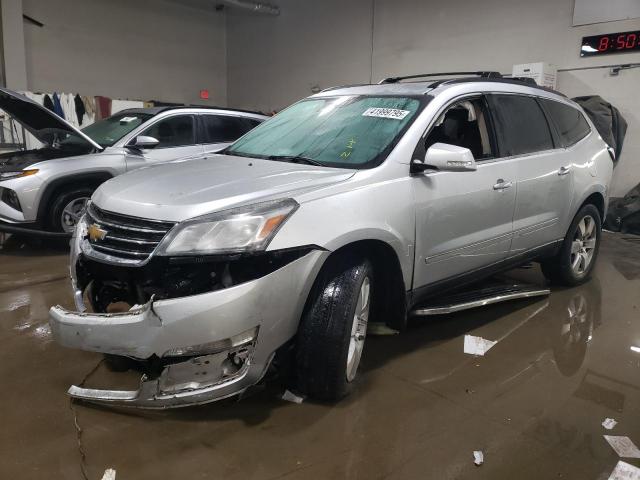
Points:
[534,404]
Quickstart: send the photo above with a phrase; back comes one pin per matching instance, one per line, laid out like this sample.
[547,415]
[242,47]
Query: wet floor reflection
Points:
[533,404]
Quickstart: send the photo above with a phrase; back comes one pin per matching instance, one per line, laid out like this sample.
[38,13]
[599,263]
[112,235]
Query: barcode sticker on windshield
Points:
[386,113]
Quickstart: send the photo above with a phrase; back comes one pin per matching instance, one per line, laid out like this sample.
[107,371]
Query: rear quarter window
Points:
[570,122]
[521,125]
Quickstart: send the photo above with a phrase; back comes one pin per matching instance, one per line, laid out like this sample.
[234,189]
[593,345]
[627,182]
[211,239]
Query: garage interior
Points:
[535,406]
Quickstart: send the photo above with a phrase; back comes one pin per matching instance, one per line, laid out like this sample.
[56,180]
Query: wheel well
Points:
[391,305]
[596,199]
[92,180]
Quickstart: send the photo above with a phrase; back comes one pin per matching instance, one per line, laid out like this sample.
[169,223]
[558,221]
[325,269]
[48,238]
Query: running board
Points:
[457,302]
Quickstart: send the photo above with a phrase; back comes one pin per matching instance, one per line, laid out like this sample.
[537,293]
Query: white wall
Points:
[130,49]
[273,61]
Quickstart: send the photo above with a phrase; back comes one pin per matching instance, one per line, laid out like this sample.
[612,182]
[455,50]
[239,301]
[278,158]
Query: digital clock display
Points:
[610,43]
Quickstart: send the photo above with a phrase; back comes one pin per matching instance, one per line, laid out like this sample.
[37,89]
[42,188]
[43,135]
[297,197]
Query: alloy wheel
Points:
[72,212]
[583,246]
[359,329]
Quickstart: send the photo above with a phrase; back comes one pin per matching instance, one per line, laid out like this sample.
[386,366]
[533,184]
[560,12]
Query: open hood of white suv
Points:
[38,120]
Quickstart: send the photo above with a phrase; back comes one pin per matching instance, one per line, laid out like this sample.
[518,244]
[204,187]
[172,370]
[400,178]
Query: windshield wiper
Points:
[295,159]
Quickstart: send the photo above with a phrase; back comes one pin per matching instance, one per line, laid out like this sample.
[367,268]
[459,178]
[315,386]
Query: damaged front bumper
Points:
[213,345]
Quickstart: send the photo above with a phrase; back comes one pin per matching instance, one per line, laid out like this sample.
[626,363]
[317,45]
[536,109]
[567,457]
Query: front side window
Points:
[342,131]
[225,128]
[464,124]
[109,130]
[569,121]
[175,131]
[521,126]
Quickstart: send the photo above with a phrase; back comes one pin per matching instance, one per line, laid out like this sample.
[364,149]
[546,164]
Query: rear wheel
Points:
[68,207]
[333,329]
[577,257]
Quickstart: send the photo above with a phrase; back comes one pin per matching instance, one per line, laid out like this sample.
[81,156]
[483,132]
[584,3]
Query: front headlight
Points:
[242,229]
[17,174]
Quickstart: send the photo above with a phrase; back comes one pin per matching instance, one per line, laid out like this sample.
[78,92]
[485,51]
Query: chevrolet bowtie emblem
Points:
[96,233]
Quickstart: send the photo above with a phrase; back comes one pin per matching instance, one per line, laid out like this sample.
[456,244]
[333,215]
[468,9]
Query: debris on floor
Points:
[380,328]
[609,423]
[478,458]
[625,471]
[109,474]
[477,345]
[623,446]
[292,397]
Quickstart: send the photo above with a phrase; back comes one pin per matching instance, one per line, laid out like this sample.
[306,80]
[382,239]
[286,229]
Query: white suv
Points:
[357,203]
[46,189]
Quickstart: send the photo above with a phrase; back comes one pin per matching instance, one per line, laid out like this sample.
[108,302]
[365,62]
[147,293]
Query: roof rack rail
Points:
[528,80]
[482,74]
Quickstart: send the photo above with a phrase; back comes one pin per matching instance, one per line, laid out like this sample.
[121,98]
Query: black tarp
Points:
[611,125]
[623,214]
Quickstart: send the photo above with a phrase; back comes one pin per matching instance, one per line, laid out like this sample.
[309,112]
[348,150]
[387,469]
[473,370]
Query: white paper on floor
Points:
[477,345]
[292,397]
[609,423]
[478,457]
[625,471]
[109,474]
[623,446]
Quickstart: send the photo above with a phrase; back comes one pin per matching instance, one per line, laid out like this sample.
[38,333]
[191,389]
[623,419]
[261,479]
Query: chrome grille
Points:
[127,237]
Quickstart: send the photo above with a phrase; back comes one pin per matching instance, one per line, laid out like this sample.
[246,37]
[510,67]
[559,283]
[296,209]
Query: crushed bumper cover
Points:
[272,304]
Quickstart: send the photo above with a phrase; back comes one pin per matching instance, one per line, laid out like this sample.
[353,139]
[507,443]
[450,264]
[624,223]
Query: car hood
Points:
[41,122]
[180,190]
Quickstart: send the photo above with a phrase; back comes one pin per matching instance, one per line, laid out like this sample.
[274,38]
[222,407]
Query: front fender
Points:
[383,212]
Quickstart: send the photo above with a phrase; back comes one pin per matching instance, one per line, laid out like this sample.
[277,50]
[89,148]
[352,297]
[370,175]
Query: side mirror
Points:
[142,142]
[445,158]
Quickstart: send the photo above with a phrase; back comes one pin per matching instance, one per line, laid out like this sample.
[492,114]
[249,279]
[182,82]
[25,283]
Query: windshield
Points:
[343,131]
[109,130]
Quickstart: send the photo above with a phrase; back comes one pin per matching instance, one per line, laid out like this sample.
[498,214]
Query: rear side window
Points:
[521,125]
[223,128]
[571,124]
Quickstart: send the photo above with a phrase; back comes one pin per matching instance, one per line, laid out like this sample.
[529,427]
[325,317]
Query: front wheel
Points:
[333,329]
[576,259]
[67,209]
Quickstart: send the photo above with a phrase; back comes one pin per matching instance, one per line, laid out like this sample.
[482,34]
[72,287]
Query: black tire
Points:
[324,335]
[558,270]
[60,201]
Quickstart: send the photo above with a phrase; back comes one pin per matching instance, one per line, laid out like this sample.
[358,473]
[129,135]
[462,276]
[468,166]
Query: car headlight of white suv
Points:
[243,229]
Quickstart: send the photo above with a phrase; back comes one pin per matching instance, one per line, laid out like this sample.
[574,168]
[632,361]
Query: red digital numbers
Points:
[604,44]
[624,42]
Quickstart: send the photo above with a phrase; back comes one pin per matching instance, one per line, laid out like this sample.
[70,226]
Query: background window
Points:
[173,131]
[570,122]
[521,126]
[465,125]
[221,128]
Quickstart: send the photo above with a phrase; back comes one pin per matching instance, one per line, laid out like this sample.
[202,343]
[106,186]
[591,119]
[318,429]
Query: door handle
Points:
[502,185]
[564,170]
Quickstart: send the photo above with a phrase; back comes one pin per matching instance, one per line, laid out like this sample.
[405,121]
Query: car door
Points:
[176,135]
[217,131]
[463,219]
[544,183]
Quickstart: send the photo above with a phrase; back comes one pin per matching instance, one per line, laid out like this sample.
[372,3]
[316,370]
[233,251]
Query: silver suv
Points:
[46,189]
[351,206]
